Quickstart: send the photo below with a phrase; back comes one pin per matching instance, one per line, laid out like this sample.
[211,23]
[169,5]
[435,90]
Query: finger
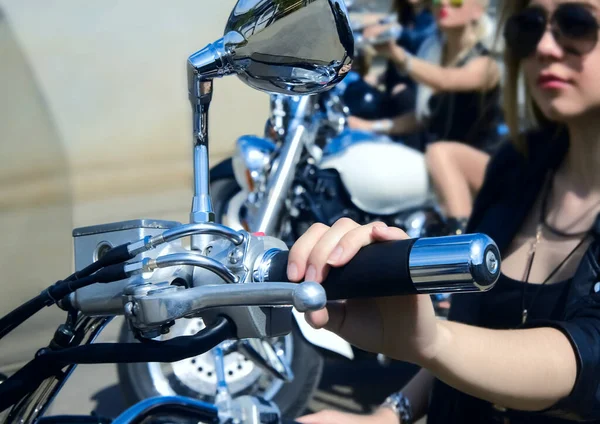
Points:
[358,238]
[331,318]
[388,234]
[301,249]
[317,260]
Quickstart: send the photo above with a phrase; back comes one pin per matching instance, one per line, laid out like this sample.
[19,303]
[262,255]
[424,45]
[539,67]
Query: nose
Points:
[548,47]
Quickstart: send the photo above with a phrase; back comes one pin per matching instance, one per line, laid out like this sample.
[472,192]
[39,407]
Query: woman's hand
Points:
[373,79]
[381,416]
[392,51]
[398,88]
[359,123]
[374,31]
[403,328]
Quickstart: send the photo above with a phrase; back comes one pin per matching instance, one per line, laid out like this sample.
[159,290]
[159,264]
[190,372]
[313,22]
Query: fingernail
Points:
[311,273]
[335,255]
[292,271]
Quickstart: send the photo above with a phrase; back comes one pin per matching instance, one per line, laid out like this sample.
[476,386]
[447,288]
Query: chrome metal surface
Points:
[205,411]
[36,404]
[222,397]
[192,259]
[250,410]
[289,47]
[202,210]
[267,218]
[200,95]
[134,224]
[153,310]
[279,46]
[106,299]
[263,266]
[454,264]
[236,256]
[270,359]
[256,154]
[198,373]
[198,229]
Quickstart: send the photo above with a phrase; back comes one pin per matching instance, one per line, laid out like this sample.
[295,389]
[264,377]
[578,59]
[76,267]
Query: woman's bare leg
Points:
[457,171]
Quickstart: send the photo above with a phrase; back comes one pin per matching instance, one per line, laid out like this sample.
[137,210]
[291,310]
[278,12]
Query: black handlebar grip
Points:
[451,264]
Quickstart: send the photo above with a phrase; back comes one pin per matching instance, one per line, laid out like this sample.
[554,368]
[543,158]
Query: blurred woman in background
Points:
[457,112]
[391,93]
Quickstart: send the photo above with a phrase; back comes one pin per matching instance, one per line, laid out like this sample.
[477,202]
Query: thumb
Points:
[331,318]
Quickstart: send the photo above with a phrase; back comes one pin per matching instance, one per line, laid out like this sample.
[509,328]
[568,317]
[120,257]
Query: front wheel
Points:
[195,377]
[227,200]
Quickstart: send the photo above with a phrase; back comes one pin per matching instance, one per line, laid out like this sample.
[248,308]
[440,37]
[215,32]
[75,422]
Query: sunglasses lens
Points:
[576,28]
[453,3]
[524,31]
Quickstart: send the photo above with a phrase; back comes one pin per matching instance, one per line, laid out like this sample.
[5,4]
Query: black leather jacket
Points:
[512,184]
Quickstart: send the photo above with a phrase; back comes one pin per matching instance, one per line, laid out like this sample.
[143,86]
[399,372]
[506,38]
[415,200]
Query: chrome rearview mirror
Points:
[292,47]
[282,46]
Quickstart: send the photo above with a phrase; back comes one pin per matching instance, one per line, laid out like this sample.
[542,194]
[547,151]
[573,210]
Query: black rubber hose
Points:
[47,362]
[54,294]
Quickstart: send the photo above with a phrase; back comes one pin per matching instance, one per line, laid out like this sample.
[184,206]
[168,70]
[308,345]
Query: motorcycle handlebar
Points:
[452,264]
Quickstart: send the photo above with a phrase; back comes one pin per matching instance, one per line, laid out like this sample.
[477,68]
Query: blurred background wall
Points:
[95,127]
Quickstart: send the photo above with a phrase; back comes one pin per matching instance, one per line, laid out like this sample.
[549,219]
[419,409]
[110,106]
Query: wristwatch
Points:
[400,404]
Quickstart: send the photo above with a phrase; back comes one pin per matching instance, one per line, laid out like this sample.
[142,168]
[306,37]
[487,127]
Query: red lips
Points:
[443,13]
[551,81]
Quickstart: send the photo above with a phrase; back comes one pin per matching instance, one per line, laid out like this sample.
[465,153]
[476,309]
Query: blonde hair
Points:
[484,32]
[513,76]
[432,49]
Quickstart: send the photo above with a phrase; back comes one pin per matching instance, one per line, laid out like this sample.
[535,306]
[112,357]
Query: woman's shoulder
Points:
[514,175]
[538,149]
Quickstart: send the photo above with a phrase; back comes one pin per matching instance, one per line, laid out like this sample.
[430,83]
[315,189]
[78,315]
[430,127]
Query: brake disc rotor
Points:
[197,374]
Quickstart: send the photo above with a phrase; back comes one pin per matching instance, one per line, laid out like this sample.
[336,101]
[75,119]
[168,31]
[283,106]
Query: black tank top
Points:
[471,117]
[503,309]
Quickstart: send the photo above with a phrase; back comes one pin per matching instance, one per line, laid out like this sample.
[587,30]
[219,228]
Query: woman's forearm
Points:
[480,74]
[403,124]
[529,369]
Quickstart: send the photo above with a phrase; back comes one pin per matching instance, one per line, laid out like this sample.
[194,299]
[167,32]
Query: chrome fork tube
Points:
[268,217]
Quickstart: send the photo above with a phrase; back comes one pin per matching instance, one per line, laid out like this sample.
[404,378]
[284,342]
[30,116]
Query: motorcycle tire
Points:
[221,192]
[137,383]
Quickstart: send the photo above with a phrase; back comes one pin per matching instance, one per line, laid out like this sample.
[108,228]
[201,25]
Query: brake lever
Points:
[162,306]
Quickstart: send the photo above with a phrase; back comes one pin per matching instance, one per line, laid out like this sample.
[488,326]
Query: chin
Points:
[560,109]
[444,24]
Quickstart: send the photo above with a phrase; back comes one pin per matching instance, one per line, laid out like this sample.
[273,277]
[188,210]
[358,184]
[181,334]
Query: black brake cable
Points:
[108,268]
[48,362]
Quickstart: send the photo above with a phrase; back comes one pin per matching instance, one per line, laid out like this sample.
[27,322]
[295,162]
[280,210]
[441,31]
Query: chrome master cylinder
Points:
[249,261]
[91,242]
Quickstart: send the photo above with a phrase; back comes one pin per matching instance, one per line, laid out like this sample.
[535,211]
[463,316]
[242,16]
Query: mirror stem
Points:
[202,210]
[202,67]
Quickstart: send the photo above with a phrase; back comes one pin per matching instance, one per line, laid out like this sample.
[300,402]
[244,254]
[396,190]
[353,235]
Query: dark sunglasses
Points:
[453,3]
[572,25]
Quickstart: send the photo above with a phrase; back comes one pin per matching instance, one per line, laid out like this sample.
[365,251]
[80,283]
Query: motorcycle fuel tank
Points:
[382,177]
